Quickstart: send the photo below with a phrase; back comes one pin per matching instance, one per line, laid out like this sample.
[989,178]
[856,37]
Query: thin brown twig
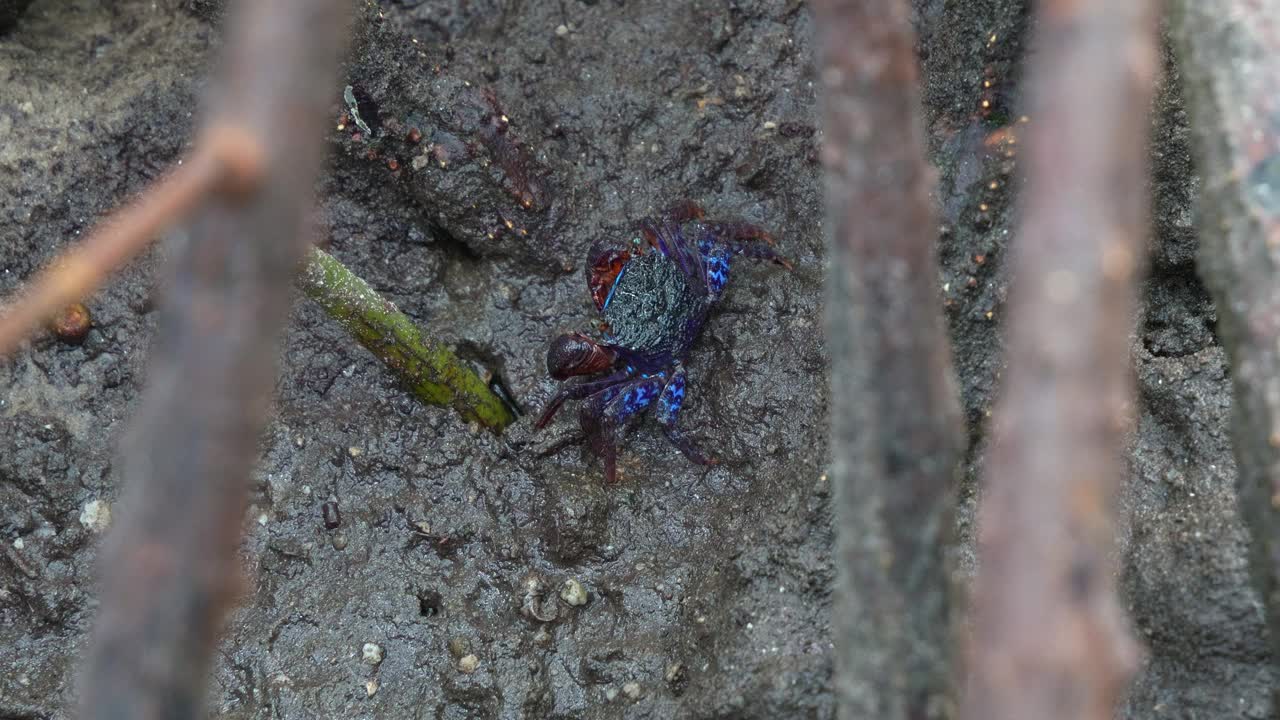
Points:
[896,430]
[1050,640]
[225,160]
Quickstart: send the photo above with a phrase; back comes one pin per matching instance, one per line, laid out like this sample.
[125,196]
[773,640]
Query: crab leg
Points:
[669,240]
[669,403]
[605,414]
[575,392]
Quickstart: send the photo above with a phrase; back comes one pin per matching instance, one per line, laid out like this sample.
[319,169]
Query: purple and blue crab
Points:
[654,294]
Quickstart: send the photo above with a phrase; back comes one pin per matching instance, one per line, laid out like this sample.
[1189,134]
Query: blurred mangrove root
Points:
[433,373]
[1050,640]
[1229,56]
[170,569]
[895,416]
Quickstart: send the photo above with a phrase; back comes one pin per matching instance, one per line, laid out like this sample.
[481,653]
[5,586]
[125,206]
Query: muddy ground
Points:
[707,589]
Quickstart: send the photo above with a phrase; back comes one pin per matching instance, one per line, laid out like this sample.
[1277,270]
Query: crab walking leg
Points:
[715,262]
[669,403]
[738,232]
[684,211]
[757,250]
[669,240]
[577,392]
[608,411]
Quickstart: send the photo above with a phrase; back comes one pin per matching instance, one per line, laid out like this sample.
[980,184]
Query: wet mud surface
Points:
[497,576]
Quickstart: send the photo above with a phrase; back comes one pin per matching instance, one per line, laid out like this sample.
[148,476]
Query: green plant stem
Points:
[431,370]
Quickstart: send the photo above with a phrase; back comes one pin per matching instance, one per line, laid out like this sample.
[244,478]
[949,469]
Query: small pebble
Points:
[72,323]
[573,593]
[355,452]
[371,654]
[339,541]
[468,664]
[459,646]
[331,515]
[371,686]
[562,30]
[96,515]
[631,690]
[611,694]
[19,543]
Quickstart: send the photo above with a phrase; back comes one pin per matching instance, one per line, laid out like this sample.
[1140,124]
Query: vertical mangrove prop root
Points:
[1050,637]
[896,429]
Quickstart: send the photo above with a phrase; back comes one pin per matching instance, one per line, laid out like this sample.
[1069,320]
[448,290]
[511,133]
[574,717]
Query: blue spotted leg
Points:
[722,241]
[668,413]
[605,414]
[715,259]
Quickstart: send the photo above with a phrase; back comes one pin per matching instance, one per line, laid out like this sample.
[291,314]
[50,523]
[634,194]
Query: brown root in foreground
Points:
[895,415]
[1229,56]
[170,568]
[1050,640]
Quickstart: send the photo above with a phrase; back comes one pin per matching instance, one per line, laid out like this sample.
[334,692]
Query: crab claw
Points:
[576,354]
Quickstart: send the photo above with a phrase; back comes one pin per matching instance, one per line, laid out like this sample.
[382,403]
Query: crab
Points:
[654,294]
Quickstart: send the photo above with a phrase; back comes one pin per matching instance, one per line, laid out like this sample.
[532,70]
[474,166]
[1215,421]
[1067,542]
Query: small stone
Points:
[562,30]
[371,654]
[72,323]
[96,515]
[459,646]
[19,543]
[355,452]
[573,593]
[371,686]
[611,694]
[468,664]
[339,541]
[632,691]
[331,515]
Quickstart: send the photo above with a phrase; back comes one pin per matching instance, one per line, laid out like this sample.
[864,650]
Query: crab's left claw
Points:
[576,354]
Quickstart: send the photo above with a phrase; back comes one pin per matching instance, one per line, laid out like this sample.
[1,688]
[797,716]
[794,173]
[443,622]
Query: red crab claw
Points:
[576,354]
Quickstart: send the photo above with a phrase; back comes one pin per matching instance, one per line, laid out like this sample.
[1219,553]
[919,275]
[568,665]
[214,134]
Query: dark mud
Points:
[706,589]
